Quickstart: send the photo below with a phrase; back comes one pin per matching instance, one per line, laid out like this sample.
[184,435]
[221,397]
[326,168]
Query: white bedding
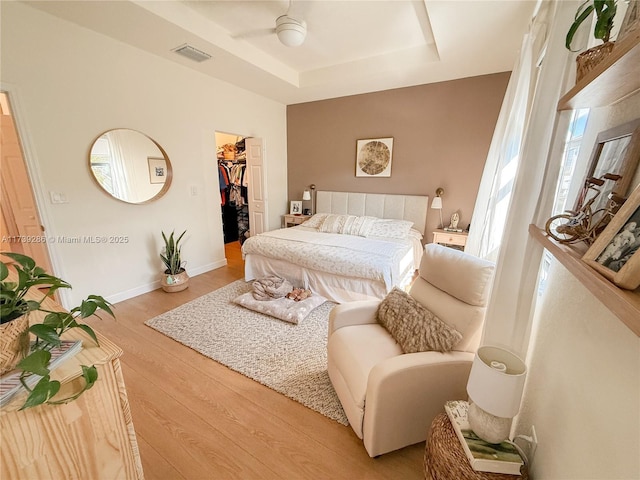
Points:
[337,266]
[348,255]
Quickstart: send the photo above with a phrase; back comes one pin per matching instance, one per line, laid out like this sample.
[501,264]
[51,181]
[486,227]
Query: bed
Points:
[357,246]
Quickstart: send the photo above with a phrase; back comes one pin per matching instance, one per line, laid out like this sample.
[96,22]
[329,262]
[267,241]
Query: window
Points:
[570,154]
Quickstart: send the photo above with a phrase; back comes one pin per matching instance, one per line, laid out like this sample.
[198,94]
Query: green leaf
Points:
[36,363]
[46,333]
[90,375]
[89,331]
[26,262]
[576,24]
[102,303]
[87,308]
[42,392]
[4,271]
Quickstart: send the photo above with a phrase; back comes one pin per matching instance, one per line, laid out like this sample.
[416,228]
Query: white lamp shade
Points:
[306,195]
[436,203]
[497,390]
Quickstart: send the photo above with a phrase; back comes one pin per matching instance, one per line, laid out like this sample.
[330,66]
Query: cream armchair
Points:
[389,397]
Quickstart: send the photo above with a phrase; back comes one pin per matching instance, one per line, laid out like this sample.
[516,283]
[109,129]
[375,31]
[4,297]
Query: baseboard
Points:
[134,292]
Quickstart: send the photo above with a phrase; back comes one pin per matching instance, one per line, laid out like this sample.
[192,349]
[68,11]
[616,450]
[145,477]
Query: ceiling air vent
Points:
[192,53]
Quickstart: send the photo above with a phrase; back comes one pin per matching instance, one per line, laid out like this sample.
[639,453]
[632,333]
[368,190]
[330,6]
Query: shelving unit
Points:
[613,80]
[624,304]
[617,77]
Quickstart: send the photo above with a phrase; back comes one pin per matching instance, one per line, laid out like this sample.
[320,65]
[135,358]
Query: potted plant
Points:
[31,358]
[605,11]
[174,278]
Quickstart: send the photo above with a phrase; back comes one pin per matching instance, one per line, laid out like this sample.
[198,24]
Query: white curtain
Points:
[520,178]
[499,175]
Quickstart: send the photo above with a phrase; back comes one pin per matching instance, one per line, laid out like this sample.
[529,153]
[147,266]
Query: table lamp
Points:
[308,195]
[436,203]
[495,389]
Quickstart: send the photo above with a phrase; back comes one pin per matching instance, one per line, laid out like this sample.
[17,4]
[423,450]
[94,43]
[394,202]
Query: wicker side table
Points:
[444,458]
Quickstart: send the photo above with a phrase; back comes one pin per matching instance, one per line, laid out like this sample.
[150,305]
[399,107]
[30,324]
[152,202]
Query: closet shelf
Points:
[617,77]
[624,304]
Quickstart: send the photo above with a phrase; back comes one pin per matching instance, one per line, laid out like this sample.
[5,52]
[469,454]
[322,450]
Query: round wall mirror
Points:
[130,166]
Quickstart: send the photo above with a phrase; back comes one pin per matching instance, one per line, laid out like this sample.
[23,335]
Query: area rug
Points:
[290,359]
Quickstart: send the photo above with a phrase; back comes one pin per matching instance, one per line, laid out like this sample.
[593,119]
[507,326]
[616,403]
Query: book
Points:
[483,456]
[10,382]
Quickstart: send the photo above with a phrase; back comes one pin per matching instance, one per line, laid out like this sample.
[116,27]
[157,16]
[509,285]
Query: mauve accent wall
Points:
[441,135]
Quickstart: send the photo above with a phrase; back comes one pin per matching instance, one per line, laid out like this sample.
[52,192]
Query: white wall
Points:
[68,85]
[583,387]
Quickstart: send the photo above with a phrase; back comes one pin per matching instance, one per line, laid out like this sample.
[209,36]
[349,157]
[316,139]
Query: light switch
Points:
[194,190]
[58,197]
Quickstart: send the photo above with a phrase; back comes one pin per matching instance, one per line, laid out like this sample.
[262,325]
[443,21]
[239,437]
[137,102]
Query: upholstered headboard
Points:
[404,207]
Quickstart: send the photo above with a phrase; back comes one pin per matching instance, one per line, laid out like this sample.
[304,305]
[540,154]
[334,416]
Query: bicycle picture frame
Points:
[616,151]
[616,252]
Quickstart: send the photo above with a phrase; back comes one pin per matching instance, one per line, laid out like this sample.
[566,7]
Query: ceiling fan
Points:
[291,31]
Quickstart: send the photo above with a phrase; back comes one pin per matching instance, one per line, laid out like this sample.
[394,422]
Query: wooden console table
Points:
[90,438]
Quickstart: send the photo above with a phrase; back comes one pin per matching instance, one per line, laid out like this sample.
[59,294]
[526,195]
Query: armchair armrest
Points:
[360,312]
[416,384]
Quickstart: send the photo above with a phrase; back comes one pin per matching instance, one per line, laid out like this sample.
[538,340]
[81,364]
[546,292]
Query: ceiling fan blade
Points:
[261,32]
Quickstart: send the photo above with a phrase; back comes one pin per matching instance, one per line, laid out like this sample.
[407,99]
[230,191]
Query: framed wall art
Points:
[374,157]
[157,169]
[616,151]
[615,253]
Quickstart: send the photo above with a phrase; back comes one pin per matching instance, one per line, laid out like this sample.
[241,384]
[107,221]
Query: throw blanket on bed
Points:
[270,288]
[345,255]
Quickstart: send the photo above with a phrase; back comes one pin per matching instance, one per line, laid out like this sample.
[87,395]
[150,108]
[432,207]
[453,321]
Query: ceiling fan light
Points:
[290,31]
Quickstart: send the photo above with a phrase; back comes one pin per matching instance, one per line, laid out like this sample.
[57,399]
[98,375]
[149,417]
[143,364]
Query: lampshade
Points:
[436,203]
[306,195]
[495,389]
[496,381]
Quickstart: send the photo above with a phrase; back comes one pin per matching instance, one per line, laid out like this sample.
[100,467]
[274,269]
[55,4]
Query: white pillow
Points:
[315,221]
[347,224]
[390,228]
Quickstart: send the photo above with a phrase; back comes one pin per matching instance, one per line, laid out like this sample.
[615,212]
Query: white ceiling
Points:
[352,47]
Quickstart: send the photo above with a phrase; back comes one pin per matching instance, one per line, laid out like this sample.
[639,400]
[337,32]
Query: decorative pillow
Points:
[414,327]
[347,224]
[315,221]
[281,308]
[390,228]
[334,223]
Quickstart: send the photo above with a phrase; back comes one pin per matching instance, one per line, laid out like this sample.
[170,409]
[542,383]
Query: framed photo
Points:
[373,157]
[631,20]
[296,207]
[615,253]
[616,151]
[157,169]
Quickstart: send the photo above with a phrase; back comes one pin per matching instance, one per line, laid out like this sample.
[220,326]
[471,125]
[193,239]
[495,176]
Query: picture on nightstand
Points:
[296,207]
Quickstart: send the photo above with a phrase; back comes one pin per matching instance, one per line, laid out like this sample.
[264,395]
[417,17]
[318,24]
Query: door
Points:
[256,168]
[22,231]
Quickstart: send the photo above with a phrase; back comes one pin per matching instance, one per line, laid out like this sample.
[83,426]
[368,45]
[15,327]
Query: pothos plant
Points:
[13,304]
[605,11]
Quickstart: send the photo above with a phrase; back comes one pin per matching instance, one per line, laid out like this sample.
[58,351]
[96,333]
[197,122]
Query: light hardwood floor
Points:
[196,419]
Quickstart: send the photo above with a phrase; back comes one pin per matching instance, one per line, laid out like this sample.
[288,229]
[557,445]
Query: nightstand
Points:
[445,459]
[292,220]
[450,239]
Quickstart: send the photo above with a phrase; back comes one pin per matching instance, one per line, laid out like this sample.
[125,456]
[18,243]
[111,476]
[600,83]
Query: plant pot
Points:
[174,283]
[14,343]
[588,59]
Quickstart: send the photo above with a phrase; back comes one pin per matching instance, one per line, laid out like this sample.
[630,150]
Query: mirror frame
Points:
[627,164]
[167,182]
